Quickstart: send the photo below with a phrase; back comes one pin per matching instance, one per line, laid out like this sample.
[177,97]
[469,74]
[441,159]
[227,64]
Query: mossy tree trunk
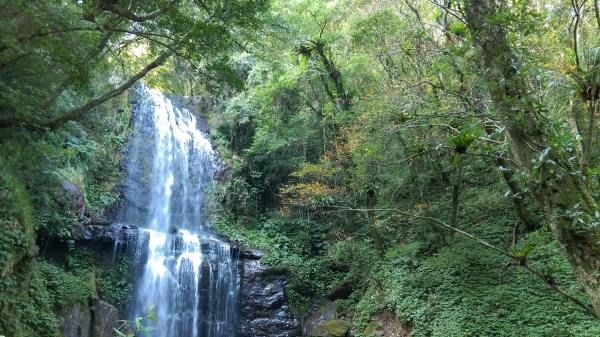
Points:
[555,184]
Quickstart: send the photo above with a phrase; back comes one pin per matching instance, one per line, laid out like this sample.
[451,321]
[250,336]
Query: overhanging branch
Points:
[54,123]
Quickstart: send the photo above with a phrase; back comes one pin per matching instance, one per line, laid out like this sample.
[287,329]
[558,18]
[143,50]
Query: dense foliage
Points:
[371,134]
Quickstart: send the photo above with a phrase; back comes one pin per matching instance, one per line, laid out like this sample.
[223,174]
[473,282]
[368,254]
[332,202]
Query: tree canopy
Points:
[60,59]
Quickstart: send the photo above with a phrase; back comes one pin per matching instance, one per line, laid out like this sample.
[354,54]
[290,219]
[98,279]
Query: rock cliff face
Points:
[81,320]
[102,234]
[265,311]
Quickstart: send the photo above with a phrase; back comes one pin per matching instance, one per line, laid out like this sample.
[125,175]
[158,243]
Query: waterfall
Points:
[179,264]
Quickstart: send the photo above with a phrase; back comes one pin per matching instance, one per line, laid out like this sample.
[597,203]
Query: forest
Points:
[431,167]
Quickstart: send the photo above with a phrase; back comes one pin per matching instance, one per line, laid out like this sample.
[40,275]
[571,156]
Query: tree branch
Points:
[150,16]
[65,84]
[54,123]
[42,33]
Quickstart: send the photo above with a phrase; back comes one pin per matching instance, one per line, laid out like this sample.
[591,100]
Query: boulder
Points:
[331,328]
[324,313]
[76,321]
[105,319]
[252,254]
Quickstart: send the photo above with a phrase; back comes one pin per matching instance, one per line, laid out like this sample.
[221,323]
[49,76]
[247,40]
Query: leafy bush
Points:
[65,288]
[115,284]
[25,307]
[80,261]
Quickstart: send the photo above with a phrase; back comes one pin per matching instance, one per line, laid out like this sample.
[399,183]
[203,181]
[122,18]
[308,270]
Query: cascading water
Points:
[188,272]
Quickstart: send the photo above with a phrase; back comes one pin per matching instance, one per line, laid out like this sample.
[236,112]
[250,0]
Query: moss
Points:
[370,328]
[331,328]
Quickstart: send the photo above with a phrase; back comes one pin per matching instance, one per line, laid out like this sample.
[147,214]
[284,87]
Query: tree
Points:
[60,59]
[540,148]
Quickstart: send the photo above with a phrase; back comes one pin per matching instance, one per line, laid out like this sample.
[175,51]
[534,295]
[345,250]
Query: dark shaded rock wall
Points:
[265,311]
[81,320]
[76,321]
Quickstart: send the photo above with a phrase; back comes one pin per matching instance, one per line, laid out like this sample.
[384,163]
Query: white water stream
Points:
[188,272]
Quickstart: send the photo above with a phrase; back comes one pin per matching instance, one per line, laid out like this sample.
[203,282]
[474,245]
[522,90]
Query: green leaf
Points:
[145,330]
[119,333]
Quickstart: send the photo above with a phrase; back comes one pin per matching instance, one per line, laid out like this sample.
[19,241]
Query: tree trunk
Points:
[375,235]
[556,188]
[455,199]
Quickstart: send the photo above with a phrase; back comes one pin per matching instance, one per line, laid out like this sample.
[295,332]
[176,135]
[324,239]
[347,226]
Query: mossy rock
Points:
[331,328]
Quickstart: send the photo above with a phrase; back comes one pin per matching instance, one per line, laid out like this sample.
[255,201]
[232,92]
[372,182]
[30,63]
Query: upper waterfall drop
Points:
[168,166]
[180,265]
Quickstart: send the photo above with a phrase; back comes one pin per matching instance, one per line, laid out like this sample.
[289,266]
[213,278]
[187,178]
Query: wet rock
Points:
[92,233]
[331,328]
[129,227]
[97,233]
[252,254]
[265,311]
